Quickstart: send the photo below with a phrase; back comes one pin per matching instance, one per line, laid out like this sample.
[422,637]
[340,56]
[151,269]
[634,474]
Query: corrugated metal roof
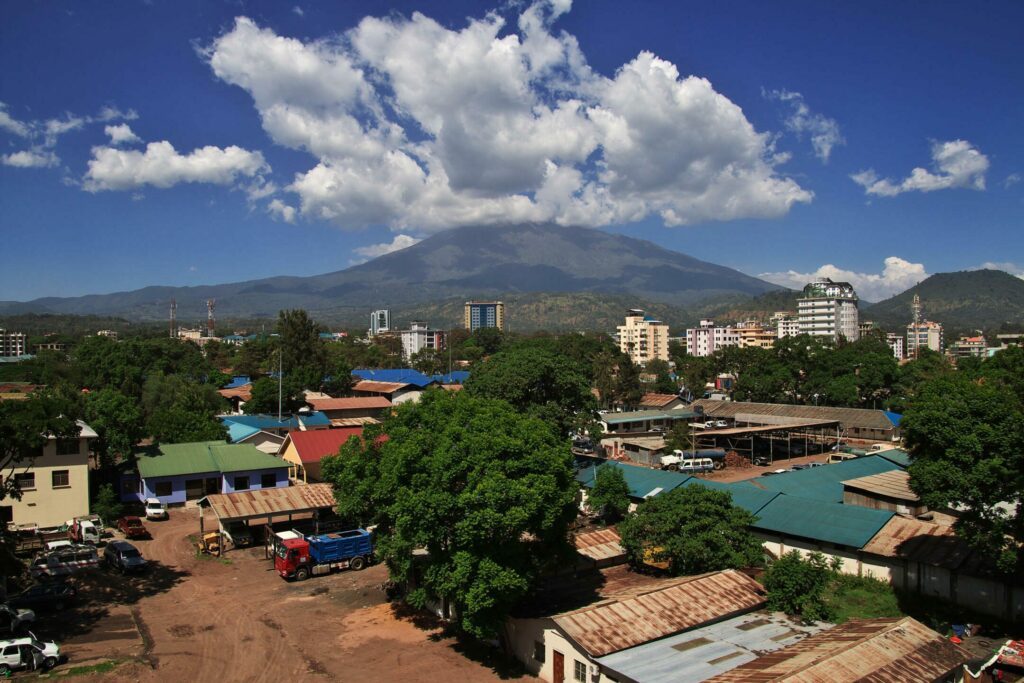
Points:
[847,525]
[398,375]
[861,418]
[603,544]
[379,387]
[268,502]
[748,498]
[655,612]
[641,481]
[353,403]
[313,445]
[314,419]
[657,400]
[920,541]
[205,456]
[892,484]
[639,415]
[823,483]
[876,650]
[896,455]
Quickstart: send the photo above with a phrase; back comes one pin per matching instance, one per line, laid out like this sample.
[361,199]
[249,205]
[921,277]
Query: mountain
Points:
[459,264]
[961,301]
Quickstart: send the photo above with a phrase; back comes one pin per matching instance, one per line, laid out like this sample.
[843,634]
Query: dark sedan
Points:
[54,595]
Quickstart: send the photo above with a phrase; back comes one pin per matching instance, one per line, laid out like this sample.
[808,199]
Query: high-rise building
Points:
[786,324]
[12,343]
[380,321]
[478,314]
[755,335]
[420,337]
[924,335]
[895,342]
[829,309]
[705,339]
[643,338]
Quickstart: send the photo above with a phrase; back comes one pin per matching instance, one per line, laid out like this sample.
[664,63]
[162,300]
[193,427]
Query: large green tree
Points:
[692,528]
[265,393]
[610,495]
[487,491]
[798,585]
[179,410]
[303,353]
[25,427]
[119,422]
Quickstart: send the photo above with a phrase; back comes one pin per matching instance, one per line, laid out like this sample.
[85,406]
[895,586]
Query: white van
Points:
[693,465]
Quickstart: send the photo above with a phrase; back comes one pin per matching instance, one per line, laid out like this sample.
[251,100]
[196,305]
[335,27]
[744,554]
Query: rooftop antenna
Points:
[210,303]
[174,318]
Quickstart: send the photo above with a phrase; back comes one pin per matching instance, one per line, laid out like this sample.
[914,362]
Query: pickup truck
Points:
[82,530]
[132,527]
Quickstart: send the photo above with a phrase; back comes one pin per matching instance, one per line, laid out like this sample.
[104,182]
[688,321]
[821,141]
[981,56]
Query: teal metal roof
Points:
[641,481]
[896,455]
[637,415]
[824,484]
[847,525]
[746,497]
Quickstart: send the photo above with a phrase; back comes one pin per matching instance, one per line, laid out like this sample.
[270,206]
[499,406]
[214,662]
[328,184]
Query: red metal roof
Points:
[314,444]
[876,650]
[353,403]
[602,544]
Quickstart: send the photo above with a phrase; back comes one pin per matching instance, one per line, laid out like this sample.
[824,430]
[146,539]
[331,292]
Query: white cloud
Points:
[823,131]
[121,134]
[12,125]
[162,166]
[897,275]
[298,10]
[957,164]
[412,124]
[281,211]
[1012,180]
[34,158]
[375,250]
[1007,266]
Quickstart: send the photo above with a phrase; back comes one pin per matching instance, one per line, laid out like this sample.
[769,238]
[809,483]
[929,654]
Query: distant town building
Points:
[480,314]
[755,335]
[187,333]
[895,342]
[705,339]
[829,309]
[59,347]
[865,327]
[380,321]
[107,333]
[643,338]
[420,337]
[968,347]
[924,335]
[1007,340]
[786,324]
[12,344]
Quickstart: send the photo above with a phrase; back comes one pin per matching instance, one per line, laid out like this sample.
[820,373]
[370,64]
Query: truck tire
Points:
[357,563]
[302,573]
[673,467]
[719,464]
[49,663]
[4,670]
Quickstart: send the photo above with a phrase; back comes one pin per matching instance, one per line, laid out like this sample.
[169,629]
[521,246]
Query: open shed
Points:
[268,506]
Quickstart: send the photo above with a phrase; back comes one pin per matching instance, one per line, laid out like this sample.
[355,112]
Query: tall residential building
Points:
[643,338]
[755,335]
[12,343]
[895,342]
[380,321]
[966,347]
[420,337]
[829,309]
[706,339]
[924,335]
[786,324]
[480,314]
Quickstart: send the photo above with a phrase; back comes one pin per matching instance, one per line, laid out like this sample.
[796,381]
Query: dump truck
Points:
[304,556]
[677,458]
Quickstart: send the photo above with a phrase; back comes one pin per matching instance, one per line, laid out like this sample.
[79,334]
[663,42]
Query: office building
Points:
[420,337]
[924,335]
[643,338]
[829,309]
[706,339]
[479,314]
[380,321]
[12,344]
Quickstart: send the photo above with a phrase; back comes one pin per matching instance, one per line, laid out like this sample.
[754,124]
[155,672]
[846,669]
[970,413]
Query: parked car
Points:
[28,653]
[155,509]
[132,527]
[797,468]
[721,423]
[14,620]
[123,556]
[238,534]
[816,464]
[762,460]
[50,595]
[64,561]
[768,474]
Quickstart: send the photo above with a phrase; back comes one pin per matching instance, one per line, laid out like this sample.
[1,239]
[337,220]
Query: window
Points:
[268,480]
[579,671]
[68,447]
[241,483]
[538,651]
[162,489]
[26,481]
[61,479]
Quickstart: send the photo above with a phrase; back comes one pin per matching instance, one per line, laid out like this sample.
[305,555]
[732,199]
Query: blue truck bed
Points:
[340,546]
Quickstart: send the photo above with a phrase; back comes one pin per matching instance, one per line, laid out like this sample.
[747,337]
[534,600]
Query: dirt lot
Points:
[233,619]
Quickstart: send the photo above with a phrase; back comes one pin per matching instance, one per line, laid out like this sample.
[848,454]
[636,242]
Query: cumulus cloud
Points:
[1011,180]
[413,124]
[823,131]
[121,134]
[281,211]
[957,164]
[898,275]
[162,166]
[12,125]
[31,159]
[375,250]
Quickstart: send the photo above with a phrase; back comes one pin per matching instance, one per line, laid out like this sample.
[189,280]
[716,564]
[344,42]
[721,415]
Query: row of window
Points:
[240,483]
[58,479]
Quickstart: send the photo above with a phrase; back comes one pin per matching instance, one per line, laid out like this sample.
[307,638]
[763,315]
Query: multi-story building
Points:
[110,333]
[786,324]
[924,335]
[755,335]
[643,338]
[479,314]
[967,347]
[895,342]
[12,344]
[706,339]
[54,482]
[380,321]
[829,309]
[866,327]
[420,337]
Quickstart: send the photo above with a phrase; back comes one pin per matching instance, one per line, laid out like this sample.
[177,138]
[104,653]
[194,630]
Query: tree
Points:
[106,505]
[798,586]
[179,410]
[304,356]
[430,361]
[339,375]
[487,491]
[25,428]
[119,422]
[610,495]
[679,438]
[966,441]
[694,529]
[489,339]
[541,383]
[265,394]
[628,391]
[663,383]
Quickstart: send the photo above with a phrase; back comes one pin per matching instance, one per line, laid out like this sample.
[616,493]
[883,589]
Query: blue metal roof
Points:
[237,431]
[455,377]
[247,425]
[822,483]
[237,381]
[895,418]
[896,455]
[847,525]
[316,419]
[399,376]
[642,481]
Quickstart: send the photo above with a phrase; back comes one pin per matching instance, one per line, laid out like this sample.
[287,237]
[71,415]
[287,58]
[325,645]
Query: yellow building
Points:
[755,335]
[643,338]
[54,484]
[480,314]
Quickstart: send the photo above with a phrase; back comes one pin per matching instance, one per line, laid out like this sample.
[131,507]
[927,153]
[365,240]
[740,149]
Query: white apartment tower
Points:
[706,339]
[786,324]
[420,337]
[829,309]
[380,321]
[12,343]
[643,338]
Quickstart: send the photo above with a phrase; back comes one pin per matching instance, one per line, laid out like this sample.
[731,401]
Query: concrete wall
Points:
[47,505]
[280,479]
[520,636]
[226,484]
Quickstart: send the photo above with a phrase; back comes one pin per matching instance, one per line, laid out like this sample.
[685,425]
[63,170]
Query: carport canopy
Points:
[269,505]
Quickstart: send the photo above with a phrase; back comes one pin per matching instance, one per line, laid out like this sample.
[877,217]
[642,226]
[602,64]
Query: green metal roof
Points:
[823,483]
[200,457]
[847,525]
[638,415]
[896,455]
[641,481]
[746,497]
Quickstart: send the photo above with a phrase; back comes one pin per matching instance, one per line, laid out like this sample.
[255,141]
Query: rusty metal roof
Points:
[919,541]
[648,612]
[892,484]
[876,650]
[351,403]
[657,400]
[375,387]
[603,544]
[861,418]
[269,502]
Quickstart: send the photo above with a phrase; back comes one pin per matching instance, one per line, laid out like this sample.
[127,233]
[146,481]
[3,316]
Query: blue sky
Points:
[201,142]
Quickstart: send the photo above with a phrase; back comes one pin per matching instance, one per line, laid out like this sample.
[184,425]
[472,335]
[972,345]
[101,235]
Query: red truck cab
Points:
[289,555]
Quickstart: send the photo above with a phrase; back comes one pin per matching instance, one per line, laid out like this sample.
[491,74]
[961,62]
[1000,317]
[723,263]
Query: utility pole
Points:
[280,379]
